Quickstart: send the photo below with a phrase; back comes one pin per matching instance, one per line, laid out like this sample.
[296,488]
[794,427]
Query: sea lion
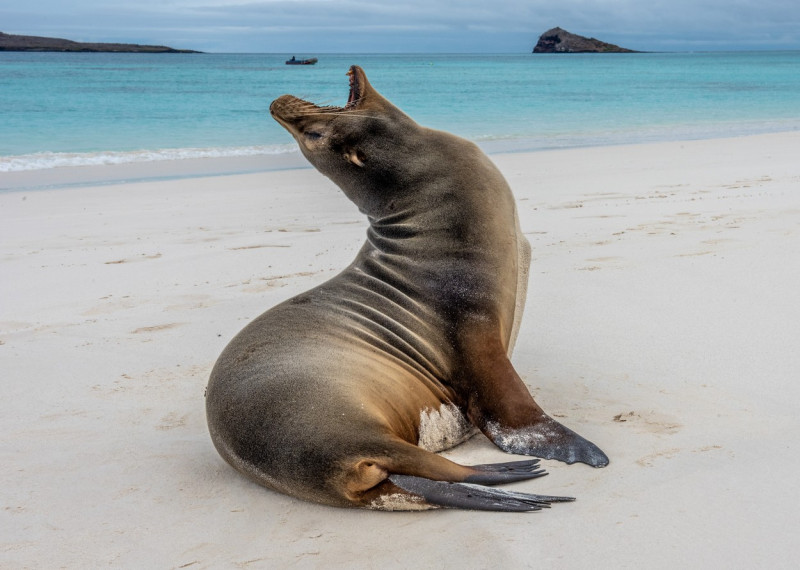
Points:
[343,394]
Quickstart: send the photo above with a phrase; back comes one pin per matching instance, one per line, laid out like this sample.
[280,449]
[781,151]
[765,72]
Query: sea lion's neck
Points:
[457,244]
[467,212]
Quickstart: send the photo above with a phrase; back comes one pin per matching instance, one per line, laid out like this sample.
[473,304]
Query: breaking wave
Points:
[46,160]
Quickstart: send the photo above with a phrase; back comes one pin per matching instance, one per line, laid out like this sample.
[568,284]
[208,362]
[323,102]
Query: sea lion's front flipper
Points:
[504,410]
[471,496]
[548,439]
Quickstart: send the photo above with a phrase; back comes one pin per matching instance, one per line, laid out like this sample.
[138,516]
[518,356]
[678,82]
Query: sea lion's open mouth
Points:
[288,108]
[355,88]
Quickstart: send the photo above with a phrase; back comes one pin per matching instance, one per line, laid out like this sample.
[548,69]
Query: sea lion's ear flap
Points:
[356,157]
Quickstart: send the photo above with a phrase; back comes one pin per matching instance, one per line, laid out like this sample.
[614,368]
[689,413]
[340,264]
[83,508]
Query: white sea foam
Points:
[46,160]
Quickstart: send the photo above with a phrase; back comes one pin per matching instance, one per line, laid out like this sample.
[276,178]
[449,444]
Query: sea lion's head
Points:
[367,144]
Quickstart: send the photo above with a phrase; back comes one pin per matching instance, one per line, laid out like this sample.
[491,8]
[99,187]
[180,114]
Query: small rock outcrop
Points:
[9,42]
[562,41]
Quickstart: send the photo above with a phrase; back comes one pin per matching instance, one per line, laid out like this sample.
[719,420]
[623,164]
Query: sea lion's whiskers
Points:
[345,113]
[323,110]
[326,103]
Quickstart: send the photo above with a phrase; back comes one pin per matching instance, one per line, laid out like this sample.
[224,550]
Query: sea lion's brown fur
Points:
[324,396]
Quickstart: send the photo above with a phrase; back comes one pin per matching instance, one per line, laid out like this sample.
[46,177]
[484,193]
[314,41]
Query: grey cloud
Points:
[413,25]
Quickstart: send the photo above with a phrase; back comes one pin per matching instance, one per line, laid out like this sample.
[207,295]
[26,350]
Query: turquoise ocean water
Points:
[62,109]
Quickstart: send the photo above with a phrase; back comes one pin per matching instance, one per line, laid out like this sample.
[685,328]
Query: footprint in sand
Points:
[256,246]
[596,263]
[156,328]
[142,257]
[171,421]
[649,422]
[191,302]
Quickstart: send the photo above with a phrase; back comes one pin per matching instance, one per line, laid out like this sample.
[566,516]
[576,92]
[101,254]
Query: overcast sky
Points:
[319,26]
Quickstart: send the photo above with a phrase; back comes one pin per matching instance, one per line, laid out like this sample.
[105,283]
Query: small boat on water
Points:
[295,61]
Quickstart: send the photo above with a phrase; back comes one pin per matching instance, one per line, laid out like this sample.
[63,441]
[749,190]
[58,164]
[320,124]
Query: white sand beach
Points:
[662,323]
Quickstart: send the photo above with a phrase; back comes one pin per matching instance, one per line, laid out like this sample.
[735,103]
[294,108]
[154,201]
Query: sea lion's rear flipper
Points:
[471,496]
[415,479]
[498,473]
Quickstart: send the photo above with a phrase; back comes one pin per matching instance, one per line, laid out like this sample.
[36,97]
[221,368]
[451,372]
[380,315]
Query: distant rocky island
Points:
[562,41]
[9,42]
